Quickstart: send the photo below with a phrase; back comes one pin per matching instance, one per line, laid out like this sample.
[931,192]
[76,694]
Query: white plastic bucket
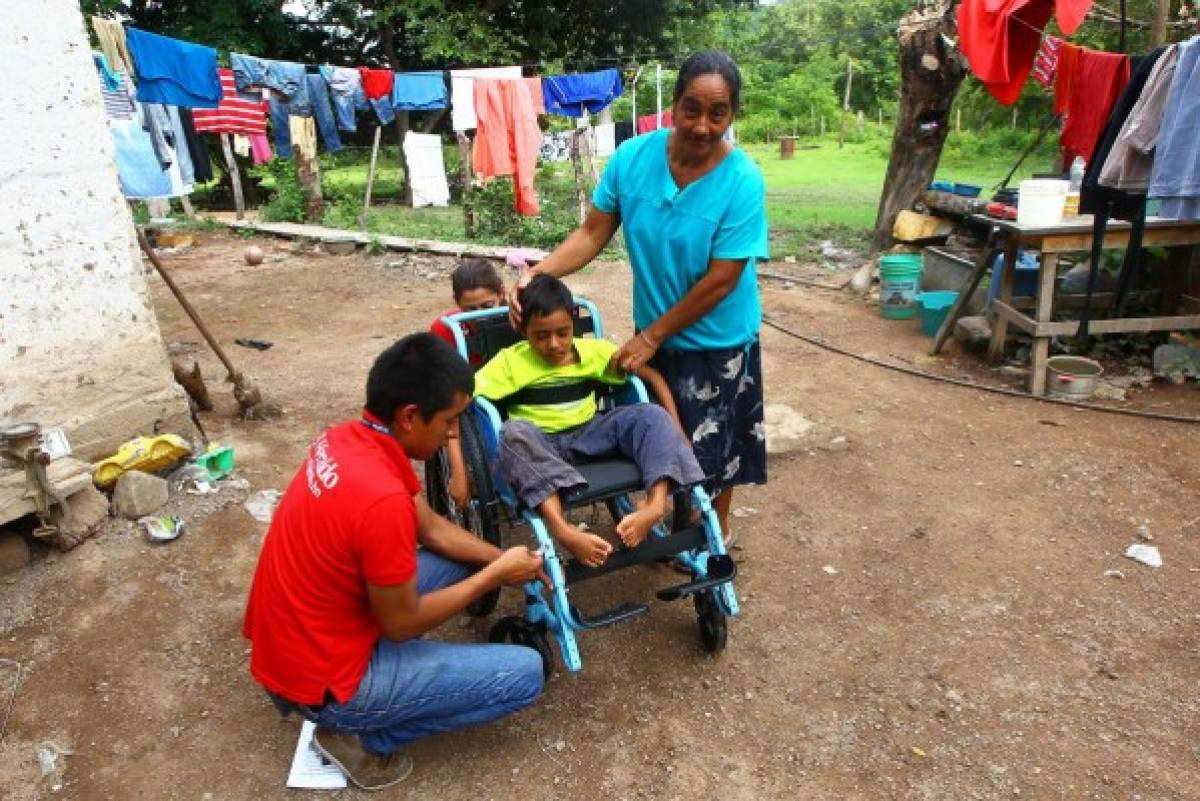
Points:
[1041,201]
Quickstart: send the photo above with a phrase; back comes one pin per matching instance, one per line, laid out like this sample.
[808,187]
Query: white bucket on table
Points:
[1041,200]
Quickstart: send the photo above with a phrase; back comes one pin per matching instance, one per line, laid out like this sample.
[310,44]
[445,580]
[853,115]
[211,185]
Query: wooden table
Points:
[1178,311]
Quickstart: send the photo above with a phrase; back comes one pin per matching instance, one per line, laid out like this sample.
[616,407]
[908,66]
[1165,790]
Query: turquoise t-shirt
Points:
[672,235]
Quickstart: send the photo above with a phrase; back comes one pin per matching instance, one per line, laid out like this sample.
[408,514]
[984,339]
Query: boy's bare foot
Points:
[590,549]
[635,526]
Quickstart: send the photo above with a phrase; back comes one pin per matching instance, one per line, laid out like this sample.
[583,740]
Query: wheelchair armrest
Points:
[631,392]
[491,414]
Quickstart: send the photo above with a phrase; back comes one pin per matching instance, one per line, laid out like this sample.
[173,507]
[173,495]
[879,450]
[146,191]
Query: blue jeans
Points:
[418,687]
[384,110]
[315,103]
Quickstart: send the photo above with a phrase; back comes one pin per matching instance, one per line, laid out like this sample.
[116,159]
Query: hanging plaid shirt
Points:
[1046,61]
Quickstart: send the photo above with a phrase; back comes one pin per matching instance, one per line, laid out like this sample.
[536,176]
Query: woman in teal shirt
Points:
[692,207]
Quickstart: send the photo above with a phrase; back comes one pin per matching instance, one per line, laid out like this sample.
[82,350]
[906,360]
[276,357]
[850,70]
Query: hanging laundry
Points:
[1064,75]
[138,170]
[426,169]
[462,93]
[183,156]
[110,34]
[157,123]
[605,139]
[197,151]
[1131,160]
[578,94]
[556,146]
[419,91]
[508,137]
[1104,202]
[1046,61]
[174,72]
[260,148]
[535,94]
[1092,84]
[118,102]
[1001,37]
[322,112]
[651,122]
[285,77]
[280,127]
[236,113]
[377,86]
[108,79]
[1175,178]
[377,83]
[348,96]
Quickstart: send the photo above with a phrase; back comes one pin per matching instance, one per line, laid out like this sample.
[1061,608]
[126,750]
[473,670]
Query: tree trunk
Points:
[1158,28]
[930,75]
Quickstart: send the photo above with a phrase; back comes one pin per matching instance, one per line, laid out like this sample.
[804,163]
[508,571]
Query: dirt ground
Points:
[928,611]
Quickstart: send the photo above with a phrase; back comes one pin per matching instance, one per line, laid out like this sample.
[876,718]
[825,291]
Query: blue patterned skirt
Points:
[720,398]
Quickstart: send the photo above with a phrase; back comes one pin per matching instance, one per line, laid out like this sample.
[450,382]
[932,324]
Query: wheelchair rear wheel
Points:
[479,516]
[519,631]
[714,632]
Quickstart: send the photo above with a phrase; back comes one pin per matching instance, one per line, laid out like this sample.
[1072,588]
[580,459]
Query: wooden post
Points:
[861,121]
[846,101]
[1014,119]
[958,120]
[235,177]
[406,196]
[881,116]
[577,162]
[464,158]
[362,218]
[812,119]
[822,125]
[930,75]
[308,169]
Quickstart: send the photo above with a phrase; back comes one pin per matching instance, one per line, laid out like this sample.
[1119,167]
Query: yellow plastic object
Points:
[147,454]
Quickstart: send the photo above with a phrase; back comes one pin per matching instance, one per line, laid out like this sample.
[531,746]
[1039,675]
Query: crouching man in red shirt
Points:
[343,593]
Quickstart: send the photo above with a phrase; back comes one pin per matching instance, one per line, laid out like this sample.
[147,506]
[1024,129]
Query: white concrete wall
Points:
[79,343]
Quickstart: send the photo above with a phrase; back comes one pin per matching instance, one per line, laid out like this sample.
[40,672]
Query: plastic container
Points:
[934,308]
[217,460]
[1041,201]
[900,285]
[1025,277]
[967,190]
[147,454]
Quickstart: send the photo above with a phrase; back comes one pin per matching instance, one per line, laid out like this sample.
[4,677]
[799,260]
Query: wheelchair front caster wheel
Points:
[519,631]
[713,630]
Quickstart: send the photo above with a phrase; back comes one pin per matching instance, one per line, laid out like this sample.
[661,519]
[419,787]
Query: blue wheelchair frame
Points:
[556,613]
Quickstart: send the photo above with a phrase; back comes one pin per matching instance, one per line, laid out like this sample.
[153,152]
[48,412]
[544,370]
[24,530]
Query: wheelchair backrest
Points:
[490,331]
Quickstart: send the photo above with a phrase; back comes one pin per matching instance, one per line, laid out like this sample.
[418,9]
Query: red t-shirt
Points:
[440,329]
[377,84]
[347,519]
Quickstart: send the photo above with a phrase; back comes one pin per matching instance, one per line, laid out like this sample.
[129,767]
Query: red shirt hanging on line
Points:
[1001,37]
[647,123]
[1088,85]
[377,83]
[235,114]
[347,518]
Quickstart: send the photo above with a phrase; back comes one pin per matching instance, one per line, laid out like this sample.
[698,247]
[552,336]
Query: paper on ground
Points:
[1146,554]
[310,770]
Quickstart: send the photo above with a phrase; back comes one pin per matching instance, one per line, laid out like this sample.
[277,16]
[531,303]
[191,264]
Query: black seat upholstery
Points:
[605,478]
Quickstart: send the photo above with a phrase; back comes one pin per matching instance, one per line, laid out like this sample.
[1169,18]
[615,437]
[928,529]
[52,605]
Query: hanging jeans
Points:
[315,104]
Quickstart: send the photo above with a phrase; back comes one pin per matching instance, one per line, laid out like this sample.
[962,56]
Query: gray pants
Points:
[538,465]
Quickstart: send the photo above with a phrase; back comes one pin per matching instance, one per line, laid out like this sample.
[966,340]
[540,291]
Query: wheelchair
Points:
[694,539]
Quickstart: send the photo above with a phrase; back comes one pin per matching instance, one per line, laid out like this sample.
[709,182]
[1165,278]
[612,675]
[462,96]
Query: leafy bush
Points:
[287,198]
[495,216]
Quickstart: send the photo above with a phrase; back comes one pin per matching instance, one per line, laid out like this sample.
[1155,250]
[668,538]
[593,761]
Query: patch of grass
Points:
[824,192]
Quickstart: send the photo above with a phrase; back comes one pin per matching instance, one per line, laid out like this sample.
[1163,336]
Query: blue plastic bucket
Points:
[900,285]
[934,308]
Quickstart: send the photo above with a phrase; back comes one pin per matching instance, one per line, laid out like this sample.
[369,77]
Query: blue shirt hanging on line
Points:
[419,91]
[173,72]
[572,95]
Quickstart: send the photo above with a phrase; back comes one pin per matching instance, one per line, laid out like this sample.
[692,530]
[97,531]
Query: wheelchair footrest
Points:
[611,617]
[652,549]
[721,569]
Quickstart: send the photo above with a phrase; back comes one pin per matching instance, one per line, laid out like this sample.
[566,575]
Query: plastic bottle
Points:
[1071,207]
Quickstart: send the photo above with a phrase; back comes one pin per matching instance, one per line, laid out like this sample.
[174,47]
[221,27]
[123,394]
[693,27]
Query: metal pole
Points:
[658,96]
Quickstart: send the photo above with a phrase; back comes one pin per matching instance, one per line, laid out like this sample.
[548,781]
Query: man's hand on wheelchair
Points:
[518,565]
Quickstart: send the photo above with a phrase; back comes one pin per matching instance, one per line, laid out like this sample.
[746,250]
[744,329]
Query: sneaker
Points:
[367,770]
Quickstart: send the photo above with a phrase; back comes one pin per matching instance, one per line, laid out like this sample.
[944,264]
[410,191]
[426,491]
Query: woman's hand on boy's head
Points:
[514,297]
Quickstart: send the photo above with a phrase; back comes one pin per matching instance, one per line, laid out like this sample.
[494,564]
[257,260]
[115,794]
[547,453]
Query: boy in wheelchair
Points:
[548,383]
